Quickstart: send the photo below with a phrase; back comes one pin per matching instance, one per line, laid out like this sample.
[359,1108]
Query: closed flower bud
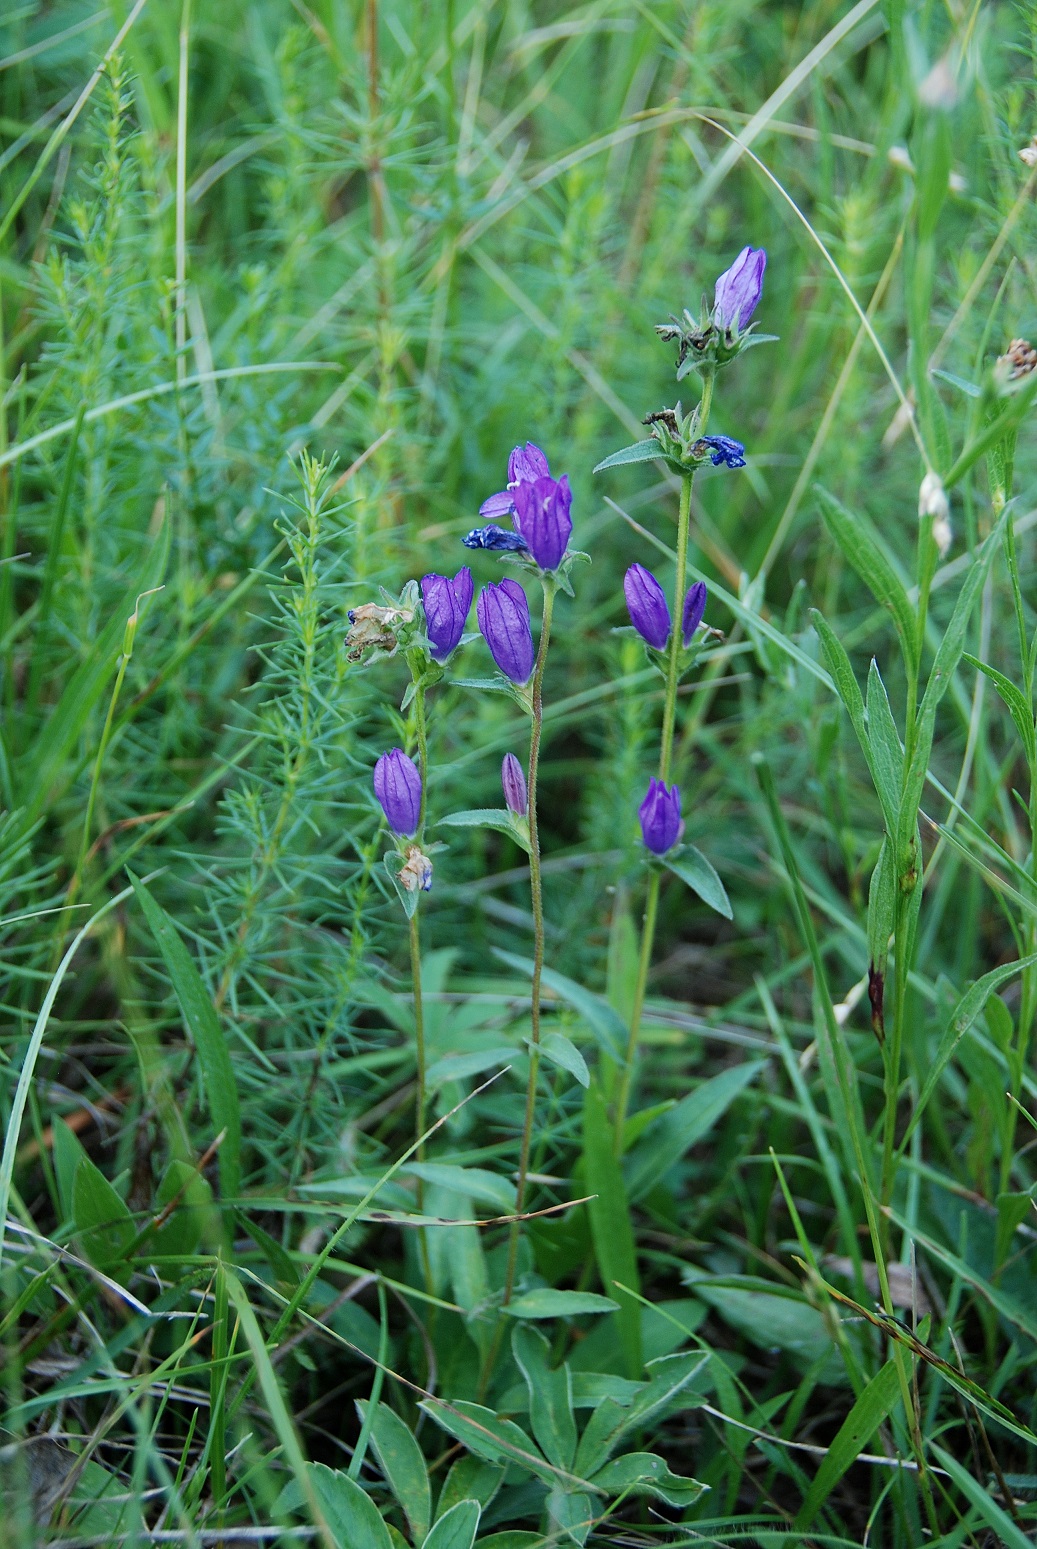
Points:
[932,501]
[660,815]
[694,608]
[525,465]
[738,290]
[397,785]
[647,606]
[503,614]
[542,518]
[514,783]
[446,610]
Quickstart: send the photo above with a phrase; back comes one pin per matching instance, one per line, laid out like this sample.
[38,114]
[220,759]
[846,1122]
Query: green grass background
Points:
[399,238]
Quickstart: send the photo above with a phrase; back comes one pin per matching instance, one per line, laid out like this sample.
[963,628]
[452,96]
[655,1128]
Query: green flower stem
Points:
[420,1094]
[651,913]
[419,1041]
[537,894]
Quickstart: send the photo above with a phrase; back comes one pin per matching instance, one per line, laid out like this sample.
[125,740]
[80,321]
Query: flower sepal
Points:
[515,825]
[409,868]
[562,575]
[384,627]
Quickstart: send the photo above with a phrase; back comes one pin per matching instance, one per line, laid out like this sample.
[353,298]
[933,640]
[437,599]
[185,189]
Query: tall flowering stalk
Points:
[540,509]
[704,344]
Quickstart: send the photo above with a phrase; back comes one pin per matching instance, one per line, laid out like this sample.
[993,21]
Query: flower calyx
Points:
[684,449]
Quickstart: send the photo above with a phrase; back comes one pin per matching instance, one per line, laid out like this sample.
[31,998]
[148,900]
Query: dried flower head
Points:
[373,628]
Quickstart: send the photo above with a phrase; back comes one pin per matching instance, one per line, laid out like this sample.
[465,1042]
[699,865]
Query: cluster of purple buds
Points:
[447,604]
[660,816]
[539,506]
[503,614]
[650,612]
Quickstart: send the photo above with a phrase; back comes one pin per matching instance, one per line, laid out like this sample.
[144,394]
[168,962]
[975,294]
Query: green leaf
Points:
[394,863]
[671,1376]
[887,755]
[962,1017]
[203,1025]
[882,907]
[101,1218]
[572,1513]
[864,1419]
[68,1150]
[1015,699]
[604,1022]
[643,1473]
[641,452]
[1004,1529]
[351,1514]
[512,1538]
[500,818]
[692,867]
[182,1232]
[496,1440]
[456,1528]
[547,1303]
[846,685]
[458,1067]
[476,1183]
[874,569]
[401,1461]
[947,657]
[611,1229]
[672,1135]
[469,1479]
[770,1319]
[551,1415]
[554,1046]
[970,389]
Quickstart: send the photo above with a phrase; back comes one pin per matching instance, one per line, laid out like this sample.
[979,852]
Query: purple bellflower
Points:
[514,783]
[446,610]
[738,290]
[724,449]
[397,785]
[525,465]
[542,518]
[647,606]
[503,614]
[660,815]
[694,609]
[493,537]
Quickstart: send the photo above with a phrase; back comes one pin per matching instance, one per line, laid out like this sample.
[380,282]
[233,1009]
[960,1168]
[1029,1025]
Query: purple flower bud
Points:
[739,289]
[647,606]
[446,610]
[660,815]
[514,783]
[542,518]
[503,615]
[397,785]
[525,465]
[694,608]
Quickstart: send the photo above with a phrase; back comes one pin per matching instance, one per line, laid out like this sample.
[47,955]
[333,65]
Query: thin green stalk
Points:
[54,546]
[419,1036]
[651,913]
[536,891]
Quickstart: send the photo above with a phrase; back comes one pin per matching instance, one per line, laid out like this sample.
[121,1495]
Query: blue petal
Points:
[725,450]
[494,537]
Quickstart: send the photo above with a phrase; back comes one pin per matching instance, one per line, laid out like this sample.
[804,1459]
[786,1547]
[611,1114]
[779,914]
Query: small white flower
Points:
[933,502]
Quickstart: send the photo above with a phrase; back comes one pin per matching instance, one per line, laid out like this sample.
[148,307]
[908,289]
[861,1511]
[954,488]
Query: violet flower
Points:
[724,449]
[446,610]
[542,518]
[503,614]
[660,816]
[647,606]
[397,785]
[738,290]
[694,609]
[525,465]
[514,783]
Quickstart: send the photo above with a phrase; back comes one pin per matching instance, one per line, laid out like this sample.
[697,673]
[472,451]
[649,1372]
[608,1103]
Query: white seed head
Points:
[932,498]
[942,535]
[1028,154]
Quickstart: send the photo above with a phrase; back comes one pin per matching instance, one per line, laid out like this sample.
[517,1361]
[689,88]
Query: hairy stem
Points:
[536,891]
[665,759]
